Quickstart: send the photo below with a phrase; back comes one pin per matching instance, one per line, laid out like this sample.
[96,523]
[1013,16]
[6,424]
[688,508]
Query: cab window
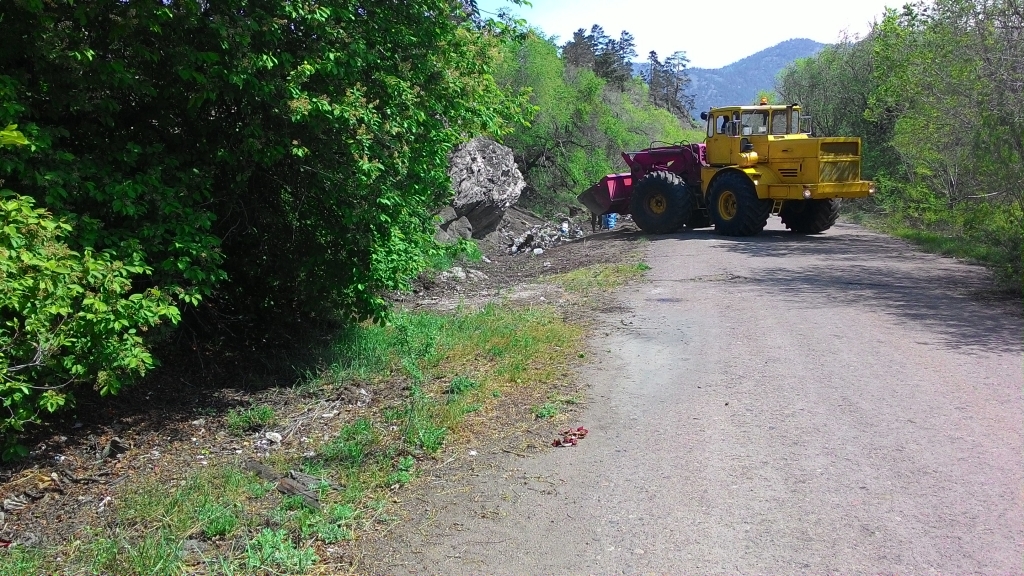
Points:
[723,124]
[754,122]
[779,124]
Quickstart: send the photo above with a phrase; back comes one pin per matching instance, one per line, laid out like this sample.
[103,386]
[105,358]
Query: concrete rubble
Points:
[543,236]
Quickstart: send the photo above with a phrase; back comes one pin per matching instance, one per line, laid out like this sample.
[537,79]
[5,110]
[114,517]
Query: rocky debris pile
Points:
[540,237]
[486,183]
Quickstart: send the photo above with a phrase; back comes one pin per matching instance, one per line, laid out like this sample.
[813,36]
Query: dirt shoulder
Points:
[202,412]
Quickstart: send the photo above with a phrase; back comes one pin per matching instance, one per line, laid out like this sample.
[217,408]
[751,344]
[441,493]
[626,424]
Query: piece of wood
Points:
[311,481]
[292,487]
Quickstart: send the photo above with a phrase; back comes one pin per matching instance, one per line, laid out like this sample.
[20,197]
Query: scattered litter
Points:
[538,251]
[472,452]
[15,503]
[547,264]
[364,398]
[570,437]
[456,273]
[199,422]
[273,437]
[103,504]
[542,237]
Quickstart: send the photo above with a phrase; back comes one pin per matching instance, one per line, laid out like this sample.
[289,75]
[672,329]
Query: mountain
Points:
[739,82]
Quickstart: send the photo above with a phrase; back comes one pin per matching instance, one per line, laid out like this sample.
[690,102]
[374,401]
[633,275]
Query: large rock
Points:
[460,228]
[486,182]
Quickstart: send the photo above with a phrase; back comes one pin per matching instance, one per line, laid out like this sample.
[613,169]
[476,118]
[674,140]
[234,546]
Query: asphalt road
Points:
[770,405]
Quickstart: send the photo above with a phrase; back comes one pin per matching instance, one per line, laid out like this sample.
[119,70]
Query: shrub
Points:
[66,317]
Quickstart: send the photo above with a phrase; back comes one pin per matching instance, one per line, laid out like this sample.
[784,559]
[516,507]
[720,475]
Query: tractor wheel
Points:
[735,208]
[661,203]
[810,216]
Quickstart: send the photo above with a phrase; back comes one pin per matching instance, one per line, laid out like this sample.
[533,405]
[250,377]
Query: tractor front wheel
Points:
[735,208]
[810,216]
[661,203]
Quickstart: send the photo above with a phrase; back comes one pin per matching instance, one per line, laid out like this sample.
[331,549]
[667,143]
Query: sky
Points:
[696,27]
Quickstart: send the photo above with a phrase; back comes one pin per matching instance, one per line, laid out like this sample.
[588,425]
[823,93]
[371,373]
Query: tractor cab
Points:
[740,135]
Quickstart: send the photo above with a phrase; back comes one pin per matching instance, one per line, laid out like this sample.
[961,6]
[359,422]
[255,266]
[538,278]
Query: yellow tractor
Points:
[756,161]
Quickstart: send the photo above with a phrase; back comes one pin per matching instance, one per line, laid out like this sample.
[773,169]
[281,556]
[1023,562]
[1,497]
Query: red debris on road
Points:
[570,437]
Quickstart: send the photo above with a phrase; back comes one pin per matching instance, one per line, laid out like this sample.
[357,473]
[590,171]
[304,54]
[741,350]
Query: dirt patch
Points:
[521,278]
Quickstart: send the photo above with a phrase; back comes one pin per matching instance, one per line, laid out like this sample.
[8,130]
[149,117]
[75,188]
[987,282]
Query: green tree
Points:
[289,162]
[245,158]
[583,121]
[934,91]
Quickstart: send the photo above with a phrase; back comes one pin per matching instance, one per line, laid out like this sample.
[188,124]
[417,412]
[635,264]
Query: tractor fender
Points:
[759,178]
[718,174]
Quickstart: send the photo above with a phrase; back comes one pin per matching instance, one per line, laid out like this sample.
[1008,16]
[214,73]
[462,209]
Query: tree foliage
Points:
[937,91]
[669,84]
[253,158]
[610,59]
[584,117]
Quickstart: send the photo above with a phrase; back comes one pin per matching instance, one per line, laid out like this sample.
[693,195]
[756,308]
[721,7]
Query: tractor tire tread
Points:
[816,216]
[679,202]
[752,212]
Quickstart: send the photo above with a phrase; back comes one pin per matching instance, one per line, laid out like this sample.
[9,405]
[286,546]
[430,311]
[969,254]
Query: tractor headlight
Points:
[872,190]
[807,193]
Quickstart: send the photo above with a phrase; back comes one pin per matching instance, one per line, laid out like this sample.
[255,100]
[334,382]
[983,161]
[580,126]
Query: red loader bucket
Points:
[610,195]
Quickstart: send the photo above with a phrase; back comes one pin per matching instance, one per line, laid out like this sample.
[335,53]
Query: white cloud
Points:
[712,34]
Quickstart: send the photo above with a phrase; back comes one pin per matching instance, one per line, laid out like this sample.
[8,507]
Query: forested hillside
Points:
[589,108]
[936,91]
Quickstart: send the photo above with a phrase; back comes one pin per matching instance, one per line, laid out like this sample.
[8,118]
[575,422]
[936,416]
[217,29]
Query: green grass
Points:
[599,277]
[244,420]
[453,365]
[351,444]
[448,255]
[273,551]
[22,561]
[546,410]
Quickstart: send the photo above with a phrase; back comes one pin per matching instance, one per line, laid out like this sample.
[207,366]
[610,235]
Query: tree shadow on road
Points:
[958,303]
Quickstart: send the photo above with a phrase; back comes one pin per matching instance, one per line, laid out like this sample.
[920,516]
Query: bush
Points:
[294,153]
[66,317]
[287,165]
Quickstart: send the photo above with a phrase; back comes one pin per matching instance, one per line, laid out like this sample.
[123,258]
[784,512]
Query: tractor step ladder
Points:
[777,207]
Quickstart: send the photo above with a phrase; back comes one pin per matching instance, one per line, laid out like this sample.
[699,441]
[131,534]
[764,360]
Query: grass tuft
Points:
[599,277]
[244,420]
[272,551]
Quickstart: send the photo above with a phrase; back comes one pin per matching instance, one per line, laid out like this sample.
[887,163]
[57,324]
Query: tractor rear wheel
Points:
[810,216]
[734,206]
[661,203]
